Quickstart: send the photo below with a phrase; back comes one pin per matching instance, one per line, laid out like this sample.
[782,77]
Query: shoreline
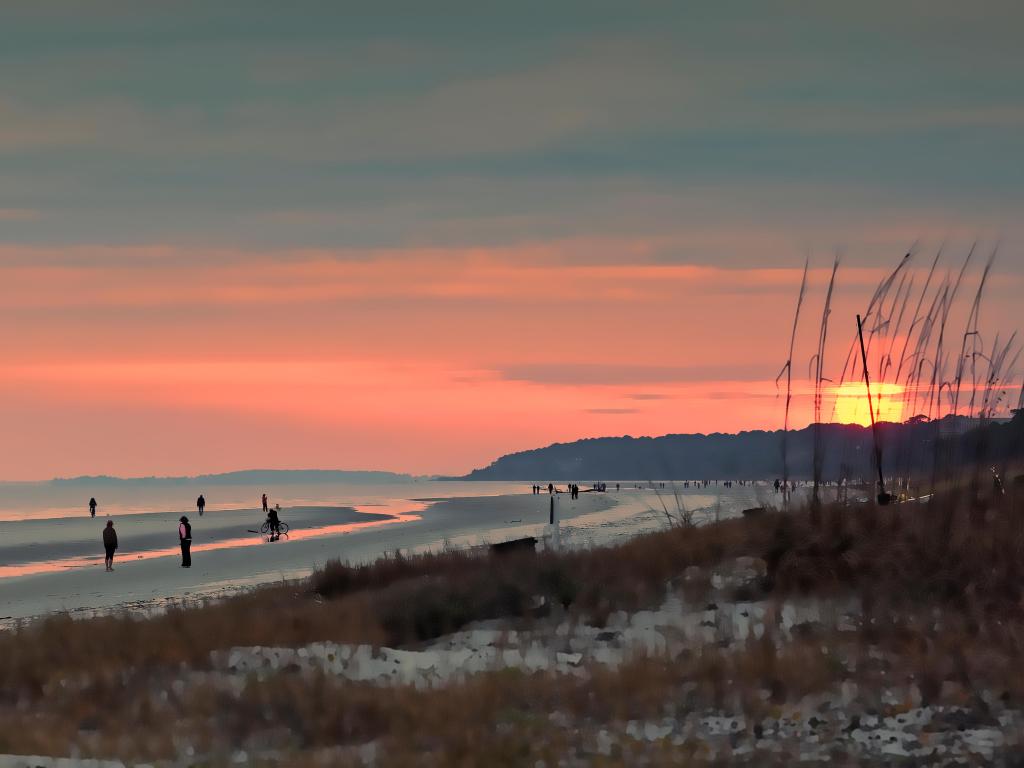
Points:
[56,544]
[153,580]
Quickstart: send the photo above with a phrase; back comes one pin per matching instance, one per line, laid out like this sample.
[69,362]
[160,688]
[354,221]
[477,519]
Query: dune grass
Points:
[110,685]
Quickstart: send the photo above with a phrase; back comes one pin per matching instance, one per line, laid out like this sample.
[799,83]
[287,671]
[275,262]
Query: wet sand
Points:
[37,546]
[226,557]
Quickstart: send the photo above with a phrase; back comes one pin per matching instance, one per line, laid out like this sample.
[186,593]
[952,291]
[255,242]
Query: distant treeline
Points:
[912,447]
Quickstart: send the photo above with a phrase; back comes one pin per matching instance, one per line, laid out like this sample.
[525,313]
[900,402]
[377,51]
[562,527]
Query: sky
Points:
[416,236]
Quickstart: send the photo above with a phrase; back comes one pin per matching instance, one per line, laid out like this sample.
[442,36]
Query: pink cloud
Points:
[399,359]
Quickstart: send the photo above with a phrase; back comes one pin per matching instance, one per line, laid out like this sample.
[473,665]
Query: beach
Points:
[50,564]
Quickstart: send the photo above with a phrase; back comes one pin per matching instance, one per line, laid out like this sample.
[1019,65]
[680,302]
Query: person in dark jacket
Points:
[201,504]
[92,507]
[185,537]
[109,544]
[274,521]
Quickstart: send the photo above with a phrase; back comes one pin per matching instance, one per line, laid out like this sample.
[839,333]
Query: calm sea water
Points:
[27,501]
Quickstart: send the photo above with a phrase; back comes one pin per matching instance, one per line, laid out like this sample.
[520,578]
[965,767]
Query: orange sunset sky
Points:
[238,237]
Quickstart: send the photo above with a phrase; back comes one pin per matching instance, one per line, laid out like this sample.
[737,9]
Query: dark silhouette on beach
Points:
[185,537]
[264,502]
[275,523]
[109,544]
[92,507]
[201,504]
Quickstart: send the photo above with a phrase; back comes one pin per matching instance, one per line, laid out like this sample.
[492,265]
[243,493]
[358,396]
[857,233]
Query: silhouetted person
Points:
[551,487]
[185,537]
[200,504]
[275,523]
[109,544]
[92,507]
[264,502]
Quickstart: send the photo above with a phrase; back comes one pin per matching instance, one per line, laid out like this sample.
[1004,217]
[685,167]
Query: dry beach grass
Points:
[940,585]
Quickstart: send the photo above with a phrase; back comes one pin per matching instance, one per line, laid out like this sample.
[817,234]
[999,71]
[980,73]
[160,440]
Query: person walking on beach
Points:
[185,537]
[200,504]
[92,507]
[264,502]
[109,544]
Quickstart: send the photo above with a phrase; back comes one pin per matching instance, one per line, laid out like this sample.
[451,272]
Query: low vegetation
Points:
[940,584]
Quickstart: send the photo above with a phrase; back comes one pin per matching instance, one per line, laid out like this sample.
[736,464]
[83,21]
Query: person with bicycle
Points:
[274,522]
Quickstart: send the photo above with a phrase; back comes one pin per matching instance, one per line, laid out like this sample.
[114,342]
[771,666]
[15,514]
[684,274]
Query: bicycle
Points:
[282,529]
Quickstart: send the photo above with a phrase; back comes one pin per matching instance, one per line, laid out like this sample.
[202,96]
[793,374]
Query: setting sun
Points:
[851,403]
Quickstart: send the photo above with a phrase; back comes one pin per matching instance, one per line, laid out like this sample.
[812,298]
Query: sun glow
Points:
[851,403]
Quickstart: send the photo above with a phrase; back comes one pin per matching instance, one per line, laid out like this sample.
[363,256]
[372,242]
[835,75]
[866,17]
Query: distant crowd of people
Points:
[572,489]
[109,536]
[780,485]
